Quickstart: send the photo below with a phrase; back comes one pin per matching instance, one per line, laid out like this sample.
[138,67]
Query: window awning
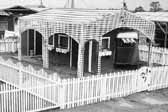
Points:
[128,35]
[128,40]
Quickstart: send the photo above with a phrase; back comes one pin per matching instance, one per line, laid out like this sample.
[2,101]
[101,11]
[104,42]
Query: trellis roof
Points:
[89,23]
[73,16]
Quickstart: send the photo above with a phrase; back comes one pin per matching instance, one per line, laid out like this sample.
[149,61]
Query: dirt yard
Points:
[155,101]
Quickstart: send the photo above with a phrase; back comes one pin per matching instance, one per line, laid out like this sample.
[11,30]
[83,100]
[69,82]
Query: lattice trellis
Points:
[70,22]
[83,24]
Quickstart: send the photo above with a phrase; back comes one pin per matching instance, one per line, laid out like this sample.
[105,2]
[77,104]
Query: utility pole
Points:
[41,4]
[124,5]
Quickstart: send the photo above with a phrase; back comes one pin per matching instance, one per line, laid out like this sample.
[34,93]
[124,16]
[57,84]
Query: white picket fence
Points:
[158,78]
[26,76]
[87,90]
[25,79]
[159,55]
[37,90]
[9,45]
[20,100]
[69,93]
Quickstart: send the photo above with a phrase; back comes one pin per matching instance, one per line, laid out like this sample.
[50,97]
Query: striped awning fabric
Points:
[128,40]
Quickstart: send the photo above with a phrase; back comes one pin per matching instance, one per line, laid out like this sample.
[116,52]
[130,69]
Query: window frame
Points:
[108,38]
[59,40]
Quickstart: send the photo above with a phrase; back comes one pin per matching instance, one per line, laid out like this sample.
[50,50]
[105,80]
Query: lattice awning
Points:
[84,24]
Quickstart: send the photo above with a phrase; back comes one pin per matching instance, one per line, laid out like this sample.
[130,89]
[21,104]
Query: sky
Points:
[132,4]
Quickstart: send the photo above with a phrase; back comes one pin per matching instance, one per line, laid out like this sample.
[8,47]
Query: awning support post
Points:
[81,49]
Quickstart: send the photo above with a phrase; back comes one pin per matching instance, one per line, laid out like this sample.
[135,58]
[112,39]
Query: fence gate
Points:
[144,78]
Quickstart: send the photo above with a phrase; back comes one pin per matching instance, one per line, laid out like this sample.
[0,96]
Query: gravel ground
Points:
[154,101]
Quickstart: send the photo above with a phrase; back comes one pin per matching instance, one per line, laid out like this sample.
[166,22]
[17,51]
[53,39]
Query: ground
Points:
[154,101]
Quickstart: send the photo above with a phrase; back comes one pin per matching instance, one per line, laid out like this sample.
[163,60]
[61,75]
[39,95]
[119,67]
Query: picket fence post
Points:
[62,84]
[20,74]
[103,87]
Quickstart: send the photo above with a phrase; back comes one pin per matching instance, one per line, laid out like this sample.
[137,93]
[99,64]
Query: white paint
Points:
[128,35]
[27,42]
[34,42]
[90,56]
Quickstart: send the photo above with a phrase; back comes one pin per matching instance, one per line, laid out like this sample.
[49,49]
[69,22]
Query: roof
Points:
[92,23]
[76,16]
[36,7]
[154,16]
[23,8]
[3,13]
[18,7]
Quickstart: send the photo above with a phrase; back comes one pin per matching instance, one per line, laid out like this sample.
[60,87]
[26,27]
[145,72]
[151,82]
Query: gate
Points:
[144,78]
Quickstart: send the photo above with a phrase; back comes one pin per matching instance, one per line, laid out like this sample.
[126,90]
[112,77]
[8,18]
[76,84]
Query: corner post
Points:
[19,45]
[80,66]
[99,47]
[45,53]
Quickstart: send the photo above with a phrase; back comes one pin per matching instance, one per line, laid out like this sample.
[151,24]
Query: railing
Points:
[8,45]
[159,55]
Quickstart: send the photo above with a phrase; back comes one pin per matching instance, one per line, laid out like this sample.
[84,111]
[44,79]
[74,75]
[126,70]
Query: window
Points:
[3,25]
[106,43]
[63,41]
[1,35]
[51,40]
